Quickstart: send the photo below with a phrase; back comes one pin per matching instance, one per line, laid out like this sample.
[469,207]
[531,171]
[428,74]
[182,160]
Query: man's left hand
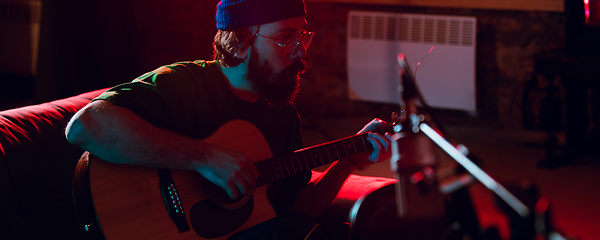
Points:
[382,144]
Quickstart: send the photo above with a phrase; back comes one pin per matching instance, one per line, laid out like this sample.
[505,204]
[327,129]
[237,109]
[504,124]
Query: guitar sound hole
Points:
[210,220]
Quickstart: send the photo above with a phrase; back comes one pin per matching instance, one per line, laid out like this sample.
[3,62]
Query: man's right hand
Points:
[229,170]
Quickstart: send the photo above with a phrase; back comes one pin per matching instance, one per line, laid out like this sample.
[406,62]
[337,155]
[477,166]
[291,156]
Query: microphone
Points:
[409,89]
[413,158]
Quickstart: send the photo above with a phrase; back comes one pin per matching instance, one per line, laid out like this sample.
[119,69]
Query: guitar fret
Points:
[302,160]
[340,149]
[318,161]
[324,154]
[262,177]
[332,152]
[314,153]
[261,180]
[349,146]
[311,164]
[276,173]
[292,165]
[359,144]
[297,165]
[366,143]
[300,164]
[279,168]
[257,165]
[267,174]
[304,163]
[270,177]
[285,162]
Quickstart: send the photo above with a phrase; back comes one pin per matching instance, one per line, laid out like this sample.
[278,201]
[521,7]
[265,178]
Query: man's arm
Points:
[318,195]
[116,134]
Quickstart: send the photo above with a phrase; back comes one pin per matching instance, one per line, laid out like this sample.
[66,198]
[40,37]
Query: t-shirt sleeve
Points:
[159,96]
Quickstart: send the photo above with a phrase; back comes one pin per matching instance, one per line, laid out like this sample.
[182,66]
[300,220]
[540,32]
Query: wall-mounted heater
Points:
[446,77]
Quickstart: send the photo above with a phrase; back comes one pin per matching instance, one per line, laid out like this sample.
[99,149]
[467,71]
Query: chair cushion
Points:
[355,187]
[36,161]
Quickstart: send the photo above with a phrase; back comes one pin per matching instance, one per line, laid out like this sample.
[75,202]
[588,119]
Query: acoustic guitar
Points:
[116,201]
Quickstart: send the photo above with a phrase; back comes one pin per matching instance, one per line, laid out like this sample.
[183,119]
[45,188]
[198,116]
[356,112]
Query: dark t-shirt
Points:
[194,99]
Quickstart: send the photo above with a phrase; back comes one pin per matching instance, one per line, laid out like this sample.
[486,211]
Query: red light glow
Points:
[586,4]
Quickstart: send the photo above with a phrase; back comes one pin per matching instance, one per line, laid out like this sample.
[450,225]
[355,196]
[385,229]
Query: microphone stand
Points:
[408,94]
[411,142]
[414,162]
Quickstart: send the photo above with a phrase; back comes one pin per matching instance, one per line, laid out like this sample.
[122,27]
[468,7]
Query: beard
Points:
[278,89]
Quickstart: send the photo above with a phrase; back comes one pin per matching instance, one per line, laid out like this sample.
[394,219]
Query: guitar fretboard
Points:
[277,168]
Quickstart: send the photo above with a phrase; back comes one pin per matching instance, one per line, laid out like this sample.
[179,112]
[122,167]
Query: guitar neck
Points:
[303,160]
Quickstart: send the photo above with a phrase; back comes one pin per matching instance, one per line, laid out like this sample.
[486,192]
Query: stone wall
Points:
[507,43]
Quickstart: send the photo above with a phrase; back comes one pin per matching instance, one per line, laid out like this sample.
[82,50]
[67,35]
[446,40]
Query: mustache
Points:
[297,68]
[285,86]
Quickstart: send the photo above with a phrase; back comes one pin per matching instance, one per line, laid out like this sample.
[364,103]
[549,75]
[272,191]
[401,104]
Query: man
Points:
[161,118]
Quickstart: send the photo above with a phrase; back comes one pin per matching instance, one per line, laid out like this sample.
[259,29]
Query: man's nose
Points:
[299,52]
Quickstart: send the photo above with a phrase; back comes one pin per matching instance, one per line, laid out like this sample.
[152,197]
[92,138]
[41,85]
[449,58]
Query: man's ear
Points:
[242,52]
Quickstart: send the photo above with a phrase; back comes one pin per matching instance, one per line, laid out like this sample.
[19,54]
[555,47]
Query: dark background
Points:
[86,45]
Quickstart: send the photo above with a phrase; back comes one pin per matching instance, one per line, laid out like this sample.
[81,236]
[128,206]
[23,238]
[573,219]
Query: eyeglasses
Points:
[290,45]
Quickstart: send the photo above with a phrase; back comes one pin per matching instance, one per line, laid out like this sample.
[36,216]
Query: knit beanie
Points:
[244,13]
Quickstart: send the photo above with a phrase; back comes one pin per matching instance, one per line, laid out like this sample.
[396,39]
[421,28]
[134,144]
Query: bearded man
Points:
[162,118]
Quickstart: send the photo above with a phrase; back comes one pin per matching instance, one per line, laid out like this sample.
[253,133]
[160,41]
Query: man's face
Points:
[279,88]
[273,70]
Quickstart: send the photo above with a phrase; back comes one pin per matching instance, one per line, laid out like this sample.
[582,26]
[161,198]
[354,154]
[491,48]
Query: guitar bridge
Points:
[171,200]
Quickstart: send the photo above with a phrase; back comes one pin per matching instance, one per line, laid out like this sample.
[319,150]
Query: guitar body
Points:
[128,203]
